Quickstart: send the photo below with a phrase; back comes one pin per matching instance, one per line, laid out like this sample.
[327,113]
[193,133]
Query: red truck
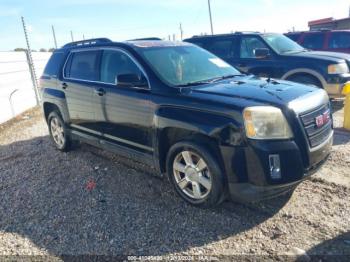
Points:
[325,40]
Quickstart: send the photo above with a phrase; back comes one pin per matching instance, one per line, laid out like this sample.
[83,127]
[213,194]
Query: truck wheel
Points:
[195,174]
[304,79]
[58,132]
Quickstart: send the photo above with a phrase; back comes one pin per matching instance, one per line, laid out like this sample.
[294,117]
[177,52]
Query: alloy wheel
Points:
[192,175]
[57,132]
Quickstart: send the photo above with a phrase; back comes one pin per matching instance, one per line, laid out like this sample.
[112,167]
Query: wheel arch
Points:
[174,125]
[305,71]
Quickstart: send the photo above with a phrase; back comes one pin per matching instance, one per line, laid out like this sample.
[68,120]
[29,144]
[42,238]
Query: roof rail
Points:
[145,39]
[92,41]
[247,32]
[229,34]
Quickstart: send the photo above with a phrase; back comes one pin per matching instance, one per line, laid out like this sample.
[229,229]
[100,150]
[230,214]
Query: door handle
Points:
[99,91]
[64,85]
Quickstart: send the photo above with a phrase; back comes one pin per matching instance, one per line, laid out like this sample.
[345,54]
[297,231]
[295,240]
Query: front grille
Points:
[316,134]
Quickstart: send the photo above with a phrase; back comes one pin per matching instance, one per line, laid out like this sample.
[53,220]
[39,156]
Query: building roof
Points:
[326,21]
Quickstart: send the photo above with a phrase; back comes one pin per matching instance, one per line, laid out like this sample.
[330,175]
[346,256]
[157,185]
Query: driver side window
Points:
[249,45]
[116,63]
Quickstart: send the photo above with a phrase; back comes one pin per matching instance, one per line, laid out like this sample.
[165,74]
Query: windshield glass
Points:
[282,44]
[186,64]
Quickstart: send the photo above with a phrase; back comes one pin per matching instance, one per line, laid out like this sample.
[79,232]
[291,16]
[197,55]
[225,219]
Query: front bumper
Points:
[247,192]
[335,90]
[258,183]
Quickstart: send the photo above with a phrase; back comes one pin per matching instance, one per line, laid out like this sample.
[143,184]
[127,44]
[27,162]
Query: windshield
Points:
[282,44]
[183,65]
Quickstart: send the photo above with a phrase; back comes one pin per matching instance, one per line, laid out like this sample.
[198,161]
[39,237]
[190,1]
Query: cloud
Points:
[6,11]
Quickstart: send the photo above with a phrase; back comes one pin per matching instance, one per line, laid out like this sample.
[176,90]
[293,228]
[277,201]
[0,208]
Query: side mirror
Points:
[261,53]
[131,80]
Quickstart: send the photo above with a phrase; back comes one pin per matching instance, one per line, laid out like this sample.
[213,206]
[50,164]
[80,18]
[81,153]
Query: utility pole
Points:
[71,35]
[174,37]
[211,21]
[54,36]
[31,64]
[181,31]
[83,37]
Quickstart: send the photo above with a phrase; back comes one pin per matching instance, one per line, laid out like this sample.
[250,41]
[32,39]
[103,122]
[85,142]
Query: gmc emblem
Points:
[323,119]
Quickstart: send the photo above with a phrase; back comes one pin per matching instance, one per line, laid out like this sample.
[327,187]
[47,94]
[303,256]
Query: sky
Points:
[128,19]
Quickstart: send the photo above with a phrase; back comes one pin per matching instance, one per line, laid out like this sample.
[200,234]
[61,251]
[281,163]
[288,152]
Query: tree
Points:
[19,49]
[51,49]
[42,50]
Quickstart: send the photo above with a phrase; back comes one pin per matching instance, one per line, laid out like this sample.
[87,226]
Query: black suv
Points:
[174,106]
[277,56]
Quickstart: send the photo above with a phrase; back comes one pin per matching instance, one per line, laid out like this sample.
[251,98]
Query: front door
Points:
[124,113]
[249,63]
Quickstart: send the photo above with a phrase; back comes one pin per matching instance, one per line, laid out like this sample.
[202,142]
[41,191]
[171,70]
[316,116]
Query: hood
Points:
[328,56]
[258,90]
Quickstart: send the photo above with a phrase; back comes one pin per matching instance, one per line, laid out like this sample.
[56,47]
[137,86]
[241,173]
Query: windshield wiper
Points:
[208,81]
[195,83]
[223,77]
[294,51]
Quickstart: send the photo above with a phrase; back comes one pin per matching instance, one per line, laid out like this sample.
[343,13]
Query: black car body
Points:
[149,117]
[276,56]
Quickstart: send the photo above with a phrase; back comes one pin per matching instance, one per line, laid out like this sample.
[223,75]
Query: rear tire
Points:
[306,79]
[59,132]
[195,174]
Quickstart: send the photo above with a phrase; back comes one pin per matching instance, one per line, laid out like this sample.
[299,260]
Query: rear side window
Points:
[201,44]
[83,65]
[53,65]
[339,40]
[223,48]
[294,37]
[313,41]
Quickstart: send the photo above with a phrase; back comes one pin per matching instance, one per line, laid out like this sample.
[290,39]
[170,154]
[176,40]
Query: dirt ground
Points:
[92,202]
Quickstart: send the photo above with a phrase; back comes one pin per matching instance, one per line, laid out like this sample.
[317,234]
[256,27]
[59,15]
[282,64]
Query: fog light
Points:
[275,167]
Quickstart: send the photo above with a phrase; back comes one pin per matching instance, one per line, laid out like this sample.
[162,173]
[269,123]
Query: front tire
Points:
[58,132]
[195,174]
[306,79]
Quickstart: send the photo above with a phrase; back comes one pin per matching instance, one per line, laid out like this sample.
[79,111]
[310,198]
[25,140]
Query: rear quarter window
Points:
[223,48]
[198,43]
[54,64]
[339,40]
[294,37]
[314,41]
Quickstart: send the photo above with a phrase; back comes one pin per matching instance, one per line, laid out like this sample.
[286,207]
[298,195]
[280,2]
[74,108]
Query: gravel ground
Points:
[92,202]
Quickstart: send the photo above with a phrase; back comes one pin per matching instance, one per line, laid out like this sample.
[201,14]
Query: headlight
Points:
[266,122]
[341,68]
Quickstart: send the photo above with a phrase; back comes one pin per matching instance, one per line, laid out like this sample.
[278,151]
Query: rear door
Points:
[80,78]
[339,42]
